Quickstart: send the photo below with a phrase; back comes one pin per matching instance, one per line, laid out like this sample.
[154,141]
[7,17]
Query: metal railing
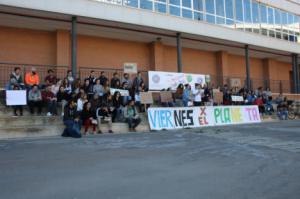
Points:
[277,86]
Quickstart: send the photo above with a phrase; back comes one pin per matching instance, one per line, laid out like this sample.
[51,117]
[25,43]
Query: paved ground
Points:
[260,161]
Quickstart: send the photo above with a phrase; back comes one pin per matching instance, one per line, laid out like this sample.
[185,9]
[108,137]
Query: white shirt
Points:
[79,104]
[197,95]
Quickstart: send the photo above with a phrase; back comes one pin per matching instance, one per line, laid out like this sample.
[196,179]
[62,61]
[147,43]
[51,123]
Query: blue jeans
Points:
[72,129]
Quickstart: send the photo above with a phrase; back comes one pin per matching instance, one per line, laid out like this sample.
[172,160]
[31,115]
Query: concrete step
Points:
[8,111]
[28,121]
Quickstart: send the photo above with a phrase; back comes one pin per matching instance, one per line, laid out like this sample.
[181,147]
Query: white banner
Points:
[193,117]
[122,92]
[163,80]
[16,97]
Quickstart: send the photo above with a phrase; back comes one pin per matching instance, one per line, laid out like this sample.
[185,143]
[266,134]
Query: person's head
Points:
[92,73]
[72,104]
[124,85]
[33,70]
[98,81]
[35,87]
[87,82]
[180,86]
[17,70]
[197,86]
[48,88]
[87,106]
[16,87]
[61,89]
[81,91]
[115,75]
[50,72]
[142,85]
[117,94]
[70,73]
[131,103]
[139,74]
[102,73]
[126,75]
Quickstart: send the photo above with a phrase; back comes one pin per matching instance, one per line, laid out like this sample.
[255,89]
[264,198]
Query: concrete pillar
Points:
[247,60]
[74,46]
[295,73]
[179,53]
[222,68]
[157,56]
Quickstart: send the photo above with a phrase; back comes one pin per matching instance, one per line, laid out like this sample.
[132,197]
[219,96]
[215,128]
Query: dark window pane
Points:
[175,2]
[271,33]
[210,6]
[210,19]
[144,4]
[220,8]
[160,7]
[174,11]
[239,10]
[278,35]
[264,31]
[187,13]
[285,36]
[229,8]
[198,5]
[186,3]
[247,11]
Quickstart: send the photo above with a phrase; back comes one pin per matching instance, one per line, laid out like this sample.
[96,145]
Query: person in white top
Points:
[81,101]
[197,93]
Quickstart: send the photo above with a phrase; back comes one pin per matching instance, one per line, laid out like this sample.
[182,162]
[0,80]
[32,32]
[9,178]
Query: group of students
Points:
[88,104]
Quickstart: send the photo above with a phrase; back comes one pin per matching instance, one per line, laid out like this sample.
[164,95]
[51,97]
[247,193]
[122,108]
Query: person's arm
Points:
[39,95]
[136,113]
[126,112]
[37,79]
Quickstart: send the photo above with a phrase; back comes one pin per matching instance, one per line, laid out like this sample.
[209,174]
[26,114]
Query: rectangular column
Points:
[179,53]
[74,46]
[247,59]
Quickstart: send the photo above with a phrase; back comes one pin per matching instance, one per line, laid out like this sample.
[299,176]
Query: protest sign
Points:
[166,96]
[16,97]
[146,98]
[236,98]
[193,117]
[235,82]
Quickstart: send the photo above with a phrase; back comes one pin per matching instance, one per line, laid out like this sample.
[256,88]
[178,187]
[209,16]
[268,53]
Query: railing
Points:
[276,86]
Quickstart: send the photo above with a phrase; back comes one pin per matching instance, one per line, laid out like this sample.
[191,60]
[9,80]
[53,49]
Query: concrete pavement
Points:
[248,161]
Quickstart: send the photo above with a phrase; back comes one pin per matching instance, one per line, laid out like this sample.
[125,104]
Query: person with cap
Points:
[32,78]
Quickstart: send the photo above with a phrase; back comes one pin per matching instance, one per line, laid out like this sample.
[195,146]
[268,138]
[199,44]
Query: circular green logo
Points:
[189,78]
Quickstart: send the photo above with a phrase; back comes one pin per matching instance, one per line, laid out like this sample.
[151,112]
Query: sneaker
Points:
[110,131]
[49,114]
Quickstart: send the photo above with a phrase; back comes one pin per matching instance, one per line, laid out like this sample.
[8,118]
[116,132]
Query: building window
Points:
[247,11]
[132,3]
[186,3]
[146,4]
[239,10]
[198,16]
[198,5]
[210,6]
[211,19]
[229,9]
[187,13]
[220,10]
[174,11]
[175,2]
[160,7]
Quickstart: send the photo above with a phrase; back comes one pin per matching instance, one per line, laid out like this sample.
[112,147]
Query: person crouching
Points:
[131,116]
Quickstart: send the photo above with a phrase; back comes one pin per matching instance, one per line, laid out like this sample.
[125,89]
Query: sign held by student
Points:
[16,97]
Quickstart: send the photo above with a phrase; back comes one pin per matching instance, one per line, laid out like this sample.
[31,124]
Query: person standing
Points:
[16,79]
[197,93]
[17,107]
[115,81]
